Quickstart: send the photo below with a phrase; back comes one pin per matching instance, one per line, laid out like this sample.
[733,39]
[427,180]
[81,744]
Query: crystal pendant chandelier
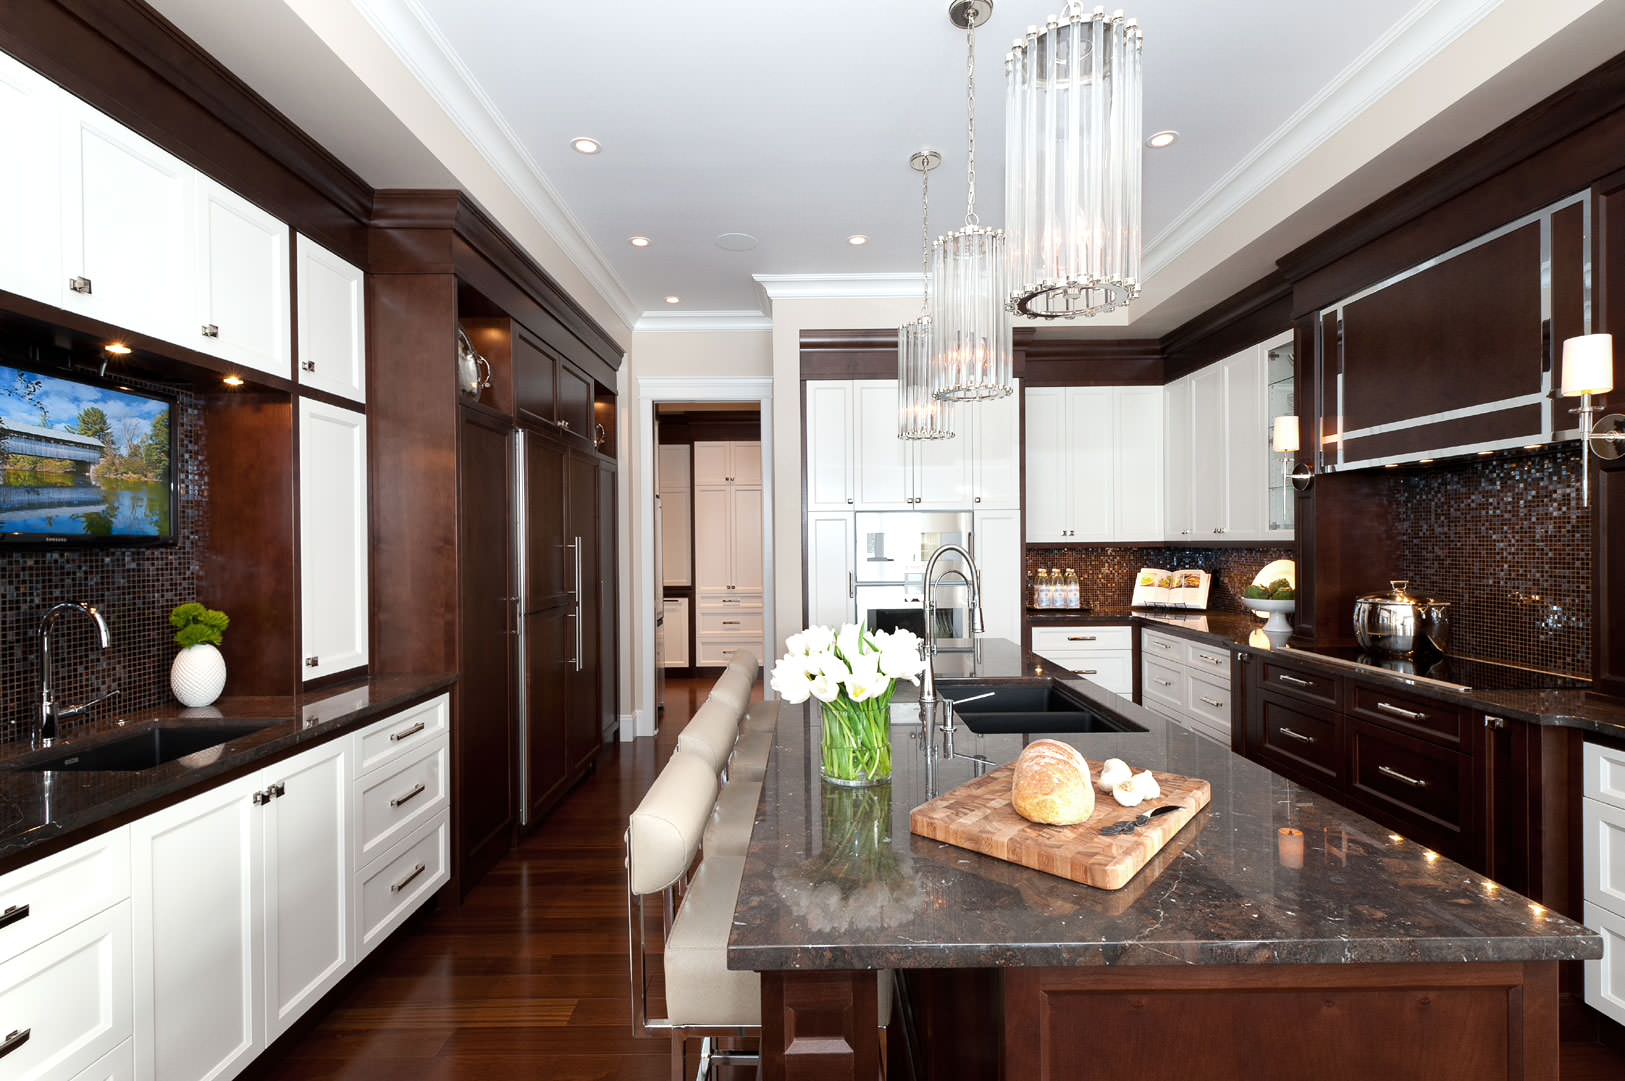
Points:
[971,350]
[919,414]
[1072,164]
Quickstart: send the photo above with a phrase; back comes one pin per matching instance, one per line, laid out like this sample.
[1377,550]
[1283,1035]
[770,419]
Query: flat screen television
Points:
[84,463]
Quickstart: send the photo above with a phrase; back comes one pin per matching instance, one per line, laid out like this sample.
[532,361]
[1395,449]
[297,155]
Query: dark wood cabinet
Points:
[1299,740]
[551,390]
[549,566]
[584,735]
[483,760]
[549,640]
[1423,790]
[609,597]
[574,413]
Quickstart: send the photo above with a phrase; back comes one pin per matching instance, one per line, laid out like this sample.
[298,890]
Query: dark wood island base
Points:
[1243,1023]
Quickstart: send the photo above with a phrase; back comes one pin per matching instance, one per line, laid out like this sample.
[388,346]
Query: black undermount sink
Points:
[138,750]
[1043,706]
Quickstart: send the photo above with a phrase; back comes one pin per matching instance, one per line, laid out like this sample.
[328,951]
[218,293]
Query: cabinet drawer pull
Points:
[13,914]
[1294,680]
[79,284]
[210,330]
[1215,661]
[313,662]
[1408,714]
[417,790]
[262,797]
[1162,682]
[1210,702]
[1299,736]
[730,623]
[1164,646]
[307,365]
[407,881]
[396,737]
[1090,672]
[1080,638]
[16,1039]
[1398,776]
[1492,721]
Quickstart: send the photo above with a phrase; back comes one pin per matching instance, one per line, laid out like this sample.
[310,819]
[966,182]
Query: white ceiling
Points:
[794,122]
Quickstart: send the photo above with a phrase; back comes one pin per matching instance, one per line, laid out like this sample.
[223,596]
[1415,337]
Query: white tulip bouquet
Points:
[853,672]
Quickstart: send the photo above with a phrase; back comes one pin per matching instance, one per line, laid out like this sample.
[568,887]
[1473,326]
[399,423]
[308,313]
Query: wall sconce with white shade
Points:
[1284,441]
[1588,371]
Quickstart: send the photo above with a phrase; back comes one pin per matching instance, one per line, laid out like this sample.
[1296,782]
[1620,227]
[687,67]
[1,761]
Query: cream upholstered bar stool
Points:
[738,680]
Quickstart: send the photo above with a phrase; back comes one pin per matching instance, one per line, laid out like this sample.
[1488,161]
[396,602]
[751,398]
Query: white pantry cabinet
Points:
[332,537]
[676,515]
[1218,452]
[996,543]
[993,429]
[1094,464]
[738,462]
[831,585]
[830,444]
[30,198]
[1177,482]
[332,322]
[675,629]
[240,281]
[126,230]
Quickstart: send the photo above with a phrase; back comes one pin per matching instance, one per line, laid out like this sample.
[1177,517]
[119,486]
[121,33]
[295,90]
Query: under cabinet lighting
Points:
[233,380]
[118,349]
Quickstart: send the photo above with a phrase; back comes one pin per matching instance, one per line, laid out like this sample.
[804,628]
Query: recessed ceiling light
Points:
[233,380]
[673,300]
[638,240]
[736,242]
[118,349]
[583,145]
[857,240]
[1160,139]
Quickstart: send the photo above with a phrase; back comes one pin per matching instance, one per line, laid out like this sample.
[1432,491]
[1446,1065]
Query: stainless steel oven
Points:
[893,547]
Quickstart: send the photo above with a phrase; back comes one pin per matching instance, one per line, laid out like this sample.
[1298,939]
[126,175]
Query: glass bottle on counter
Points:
[1040,584]
[1074,597]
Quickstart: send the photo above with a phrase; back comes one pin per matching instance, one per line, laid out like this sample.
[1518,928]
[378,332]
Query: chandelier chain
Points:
[925,241]
[970,124]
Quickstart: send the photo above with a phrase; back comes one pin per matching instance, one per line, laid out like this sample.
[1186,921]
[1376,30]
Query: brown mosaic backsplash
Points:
[134,588]
[1106,575]
[1507,541]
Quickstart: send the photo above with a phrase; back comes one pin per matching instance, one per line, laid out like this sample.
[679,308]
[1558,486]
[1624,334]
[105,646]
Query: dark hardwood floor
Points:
[528,979]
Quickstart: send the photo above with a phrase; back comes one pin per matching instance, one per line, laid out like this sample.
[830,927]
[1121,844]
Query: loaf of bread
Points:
[1052,785]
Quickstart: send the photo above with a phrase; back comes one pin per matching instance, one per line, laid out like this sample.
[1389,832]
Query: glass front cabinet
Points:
[1280,400]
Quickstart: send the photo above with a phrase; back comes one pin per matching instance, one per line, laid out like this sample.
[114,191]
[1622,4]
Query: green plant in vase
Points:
[853,673]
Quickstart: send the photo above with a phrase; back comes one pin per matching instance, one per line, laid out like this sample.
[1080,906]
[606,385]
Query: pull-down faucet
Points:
[973,578]
[50,713]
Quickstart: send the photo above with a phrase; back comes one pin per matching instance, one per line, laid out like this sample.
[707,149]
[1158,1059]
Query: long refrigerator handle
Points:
[577,547]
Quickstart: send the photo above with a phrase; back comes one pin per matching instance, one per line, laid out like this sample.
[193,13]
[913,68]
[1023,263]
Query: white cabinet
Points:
[830,440]
[1177,418]
[197,949]
[676,515]
[996,544]
[1218,464]
[738,462]
[332,322]
[713,551]
[332,537]
[1101,654]
[1187,681]
[67,1002]
[1094,464]
[1603,817]
[831,585]
[30,196]
[675,631]
[882,463]
[1206,466]
[728,571]
[117,1065]
[1247,445]
[746,531]
[240,281]
[307,845]
[994,430]
[126,226]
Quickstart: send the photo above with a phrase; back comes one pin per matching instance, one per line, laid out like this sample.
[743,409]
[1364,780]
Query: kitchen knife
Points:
[1135,823]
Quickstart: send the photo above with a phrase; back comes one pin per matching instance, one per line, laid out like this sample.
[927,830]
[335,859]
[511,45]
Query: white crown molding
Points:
[904,286]
[415,39]
[705,389]
[669,322]
[1409,44]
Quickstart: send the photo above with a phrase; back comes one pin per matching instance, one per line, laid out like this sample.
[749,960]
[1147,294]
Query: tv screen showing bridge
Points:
[30,440]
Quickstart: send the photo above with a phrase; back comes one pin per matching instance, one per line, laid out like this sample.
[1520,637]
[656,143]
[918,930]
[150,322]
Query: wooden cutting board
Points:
[978,816]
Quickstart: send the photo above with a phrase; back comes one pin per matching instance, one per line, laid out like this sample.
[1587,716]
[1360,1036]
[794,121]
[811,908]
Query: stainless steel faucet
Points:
[49,712]
[928,692]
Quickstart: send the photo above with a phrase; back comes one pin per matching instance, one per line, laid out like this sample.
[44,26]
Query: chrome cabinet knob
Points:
[210,330]
[79,284]
[307,365]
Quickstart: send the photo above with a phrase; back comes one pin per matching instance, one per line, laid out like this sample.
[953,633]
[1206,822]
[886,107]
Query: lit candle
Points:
[1290,847]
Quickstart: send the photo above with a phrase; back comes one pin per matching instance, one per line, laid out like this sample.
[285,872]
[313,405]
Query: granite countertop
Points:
[834,879]
[43,812]
[1570,708]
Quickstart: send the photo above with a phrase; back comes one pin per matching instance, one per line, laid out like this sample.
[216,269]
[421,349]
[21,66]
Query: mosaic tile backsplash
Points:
[135,589]
[1106,575]
[1507,541]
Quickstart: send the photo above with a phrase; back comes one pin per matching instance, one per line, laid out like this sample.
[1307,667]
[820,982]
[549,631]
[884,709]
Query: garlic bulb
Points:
[1127,794]
[1145,785]
[1113,772]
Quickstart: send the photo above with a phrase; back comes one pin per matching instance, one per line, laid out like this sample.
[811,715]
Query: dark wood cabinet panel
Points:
[484,738]
[575,390]
[549,671]
[535,372]
[1426,789]
[1298,738]
[583,733]
[549,569]
[608,599]
[1425,717]
[1302,683]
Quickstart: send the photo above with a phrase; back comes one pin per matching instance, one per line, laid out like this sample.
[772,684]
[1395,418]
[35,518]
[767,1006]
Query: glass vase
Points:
[857,741]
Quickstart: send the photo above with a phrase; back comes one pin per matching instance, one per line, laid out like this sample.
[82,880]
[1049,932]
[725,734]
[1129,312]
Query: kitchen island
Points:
[1334,950]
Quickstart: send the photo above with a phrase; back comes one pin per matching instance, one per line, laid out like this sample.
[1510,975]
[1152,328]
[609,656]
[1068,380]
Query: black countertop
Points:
[834,879]
[1558,707]
[43,812]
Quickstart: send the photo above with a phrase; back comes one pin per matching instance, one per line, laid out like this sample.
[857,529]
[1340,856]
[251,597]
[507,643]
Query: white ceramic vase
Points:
[198,675]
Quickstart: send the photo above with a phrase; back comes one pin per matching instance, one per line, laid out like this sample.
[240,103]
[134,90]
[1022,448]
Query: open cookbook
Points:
[1155,588]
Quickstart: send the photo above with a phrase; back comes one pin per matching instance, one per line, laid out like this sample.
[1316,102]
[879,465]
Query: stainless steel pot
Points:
[1400,624]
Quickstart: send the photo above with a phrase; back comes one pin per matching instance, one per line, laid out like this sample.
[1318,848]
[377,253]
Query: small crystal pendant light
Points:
[1072,164]
[971,349]
[919,415]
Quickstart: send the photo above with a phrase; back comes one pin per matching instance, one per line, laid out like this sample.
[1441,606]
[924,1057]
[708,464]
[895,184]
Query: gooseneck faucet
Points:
[51,713]
[973,578]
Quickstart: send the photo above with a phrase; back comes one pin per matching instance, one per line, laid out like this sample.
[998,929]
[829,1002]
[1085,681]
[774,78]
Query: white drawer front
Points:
[117,1065]
[719,653]
[71,996]
[1208,702]
[1605,774]
[399,735]
[1081,639]
[1604,847]
[392,802]
[730,624]
[1113,671]
[54,893]
[1605,978]
[730,600]
[1163,683]
[1212,662]
[1155,644]
[403,879]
